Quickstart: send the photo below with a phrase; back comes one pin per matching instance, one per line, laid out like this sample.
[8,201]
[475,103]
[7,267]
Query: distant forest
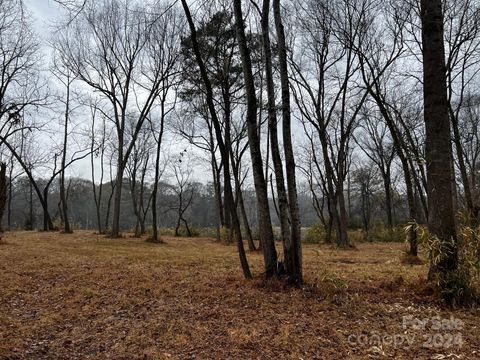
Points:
[24,211]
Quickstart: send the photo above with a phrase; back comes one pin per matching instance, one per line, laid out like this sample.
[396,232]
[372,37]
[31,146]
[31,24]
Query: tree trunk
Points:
[30,224]
[471,213]
[407,171]
[328,229]
[221,145]
[47,221]
[63,198]
[218,196]
[239,203]
[264,219]
[3,192]
[272,127]
[246,225]
[155,238]
[294,245]
[109,206]
[387,185]
[134,193]
[412,208]
[117,200]
[226,167]
[97,197]
[441,216]
[10,197]
[342,241]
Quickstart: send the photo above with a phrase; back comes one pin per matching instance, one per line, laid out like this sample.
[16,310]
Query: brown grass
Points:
[82,296]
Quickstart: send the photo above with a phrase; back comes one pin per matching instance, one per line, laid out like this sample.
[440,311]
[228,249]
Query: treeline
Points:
[24,212]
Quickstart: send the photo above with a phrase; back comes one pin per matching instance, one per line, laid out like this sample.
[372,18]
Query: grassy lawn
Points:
[83,296]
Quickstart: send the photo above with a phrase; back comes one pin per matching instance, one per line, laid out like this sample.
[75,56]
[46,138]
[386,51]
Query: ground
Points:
[83,296]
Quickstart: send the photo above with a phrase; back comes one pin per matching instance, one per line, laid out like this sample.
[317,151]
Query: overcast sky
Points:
[44,11]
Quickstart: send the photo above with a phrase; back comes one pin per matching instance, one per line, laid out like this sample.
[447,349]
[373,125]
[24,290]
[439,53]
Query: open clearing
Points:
[83,296]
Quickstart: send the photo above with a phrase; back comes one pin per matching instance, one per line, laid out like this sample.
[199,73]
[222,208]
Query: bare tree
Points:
[469,130]
[325,88]
[379,148]
[462,42]
[365,177]
[66,79]
[314,174]
[164,50]
[378,56]
[137,168]
[105,47]
[97,151]
[21,87]
[184,190]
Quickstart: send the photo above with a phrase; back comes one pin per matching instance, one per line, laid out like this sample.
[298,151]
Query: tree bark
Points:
[3,192]
[387,185]
[97,197]
[441,216]
[294,245]
[10,196]
[273,132]
[117,199]
[471,212]
[63,198]
[246,225]
[155,238]
[264,219]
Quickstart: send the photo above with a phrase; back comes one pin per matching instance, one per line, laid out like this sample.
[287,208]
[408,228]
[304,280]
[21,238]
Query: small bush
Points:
[356,236]
[194,231]
[208,232]
[384,234]
[315,234]
[224,234]
[57,223]
[463,285]
[166,231]
[331,286]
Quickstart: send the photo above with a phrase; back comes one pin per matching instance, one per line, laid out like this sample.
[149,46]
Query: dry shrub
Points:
[331,286]
[463,285]
[315,234]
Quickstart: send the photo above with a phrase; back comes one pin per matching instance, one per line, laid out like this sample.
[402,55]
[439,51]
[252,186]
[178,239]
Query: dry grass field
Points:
[83,296]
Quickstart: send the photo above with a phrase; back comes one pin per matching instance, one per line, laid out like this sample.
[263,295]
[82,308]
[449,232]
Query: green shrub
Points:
[382,233]
[194,231]
[224,234]
[315,234]
[208,232]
